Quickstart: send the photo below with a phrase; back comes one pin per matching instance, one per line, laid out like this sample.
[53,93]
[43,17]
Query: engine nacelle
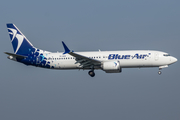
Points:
[111,67]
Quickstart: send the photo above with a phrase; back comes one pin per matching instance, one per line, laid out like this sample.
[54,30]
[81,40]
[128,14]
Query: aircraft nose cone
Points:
[174,59]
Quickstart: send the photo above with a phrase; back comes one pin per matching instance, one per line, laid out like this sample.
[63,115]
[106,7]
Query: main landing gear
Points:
[91,72]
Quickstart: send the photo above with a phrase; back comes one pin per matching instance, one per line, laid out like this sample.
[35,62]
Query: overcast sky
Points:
[31,93]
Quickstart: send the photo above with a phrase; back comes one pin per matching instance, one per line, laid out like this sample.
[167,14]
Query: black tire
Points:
[91,73]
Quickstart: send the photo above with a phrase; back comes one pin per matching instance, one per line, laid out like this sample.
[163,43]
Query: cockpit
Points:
[166,55]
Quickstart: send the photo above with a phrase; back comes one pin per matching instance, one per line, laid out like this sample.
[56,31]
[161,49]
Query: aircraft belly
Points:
[67,65]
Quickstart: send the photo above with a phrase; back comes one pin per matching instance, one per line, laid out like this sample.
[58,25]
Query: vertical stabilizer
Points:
[20,43]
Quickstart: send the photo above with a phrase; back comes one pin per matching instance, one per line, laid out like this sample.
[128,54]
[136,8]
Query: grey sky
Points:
[30,93]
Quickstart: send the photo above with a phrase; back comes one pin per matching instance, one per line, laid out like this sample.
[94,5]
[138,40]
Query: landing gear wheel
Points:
[159,72]
[91,73]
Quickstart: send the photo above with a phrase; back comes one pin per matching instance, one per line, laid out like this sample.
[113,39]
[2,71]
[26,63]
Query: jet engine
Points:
[111,67]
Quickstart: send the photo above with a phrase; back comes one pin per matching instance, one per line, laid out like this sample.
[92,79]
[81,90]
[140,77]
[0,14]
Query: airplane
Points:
[108,61]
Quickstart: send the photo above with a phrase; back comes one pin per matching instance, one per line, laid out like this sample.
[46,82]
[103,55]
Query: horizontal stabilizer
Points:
[16,55]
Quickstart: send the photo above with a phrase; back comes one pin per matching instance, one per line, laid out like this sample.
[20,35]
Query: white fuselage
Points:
[127,59]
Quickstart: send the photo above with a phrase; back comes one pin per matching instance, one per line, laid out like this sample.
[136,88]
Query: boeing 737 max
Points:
[108,61]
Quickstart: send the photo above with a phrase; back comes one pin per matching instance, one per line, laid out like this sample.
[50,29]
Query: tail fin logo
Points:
[17,36]
[13,32]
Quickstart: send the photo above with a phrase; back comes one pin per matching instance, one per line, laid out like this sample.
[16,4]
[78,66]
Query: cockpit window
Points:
[166,55]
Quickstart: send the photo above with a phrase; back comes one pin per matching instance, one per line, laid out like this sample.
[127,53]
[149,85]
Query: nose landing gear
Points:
[159,72]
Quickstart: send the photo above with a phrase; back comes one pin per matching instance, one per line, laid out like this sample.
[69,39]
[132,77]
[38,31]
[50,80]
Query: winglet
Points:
[65,48]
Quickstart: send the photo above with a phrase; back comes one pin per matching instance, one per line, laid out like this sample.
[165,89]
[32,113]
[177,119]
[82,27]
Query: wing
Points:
[83,60]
